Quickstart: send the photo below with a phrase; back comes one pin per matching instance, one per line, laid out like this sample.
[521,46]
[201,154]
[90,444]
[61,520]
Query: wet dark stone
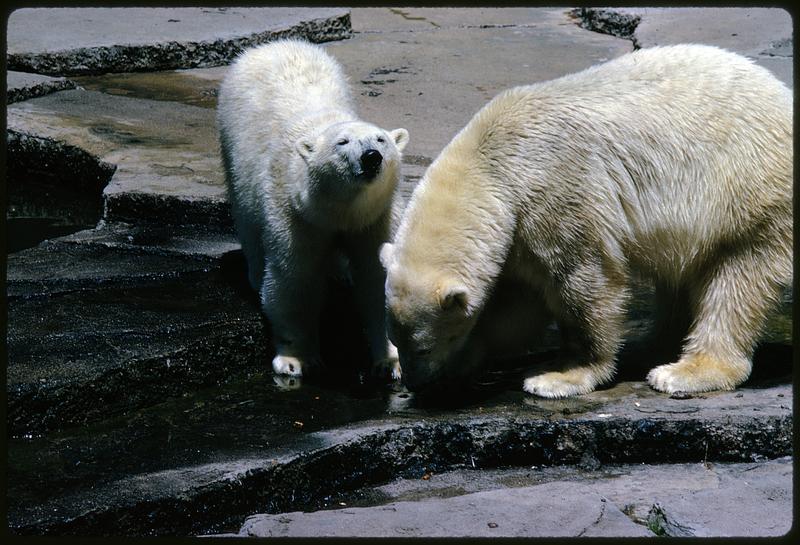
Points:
[130,206]
[85,355]
[59,267]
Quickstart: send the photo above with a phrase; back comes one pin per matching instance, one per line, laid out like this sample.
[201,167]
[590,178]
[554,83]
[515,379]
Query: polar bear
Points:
[308,183]
[673,162]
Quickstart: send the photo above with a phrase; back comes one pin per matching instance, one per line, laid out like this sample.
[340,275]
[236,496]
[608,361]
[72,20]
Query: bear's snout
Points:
[417,375]
[371,162]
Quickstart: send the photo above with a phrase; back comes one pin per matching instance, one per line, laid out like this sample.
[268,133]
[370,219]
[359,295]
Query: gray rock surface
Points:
[762,34]
[699,500]
[168,167]
[68,41]
[506,513]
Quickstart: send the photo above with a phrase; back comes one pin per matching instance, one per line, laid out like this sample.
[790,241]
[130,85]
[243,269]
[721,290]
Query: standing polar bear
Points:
[674,162]
[307,180]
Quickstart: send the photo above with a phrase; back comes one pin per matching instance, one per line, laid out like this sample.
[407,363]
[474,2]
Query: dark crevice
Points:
[54,189]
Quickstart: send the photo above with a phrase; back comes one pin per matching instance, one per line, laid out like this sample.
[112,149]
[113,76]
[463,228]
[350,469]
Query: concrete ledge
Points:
[137,39]
[21,86]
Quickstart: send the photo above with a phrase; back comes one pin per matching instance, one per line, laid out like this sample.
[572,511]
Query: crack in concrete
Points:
[496,26]
[407,16]
[603,503]
[662,525]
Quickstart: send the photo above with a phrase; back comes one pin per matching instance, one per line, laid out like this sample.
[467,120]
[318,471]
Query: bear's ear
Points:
[305,146]
[400,137]
[454,296]
[386,253]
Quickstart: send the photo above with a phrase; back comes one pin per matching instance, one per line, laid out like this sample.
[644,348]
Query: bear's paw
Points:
[696,373]
[287,365]
[557,384]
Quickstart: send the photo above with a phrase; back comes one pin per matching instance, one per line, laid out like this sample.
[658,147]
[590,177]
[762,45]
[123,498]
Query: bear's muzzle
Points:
[371,163]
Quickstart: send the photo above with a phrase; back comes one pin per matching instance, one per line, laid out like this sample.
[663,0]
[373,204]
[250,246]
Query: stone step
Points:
[71,41]
[675,500]
[98,328]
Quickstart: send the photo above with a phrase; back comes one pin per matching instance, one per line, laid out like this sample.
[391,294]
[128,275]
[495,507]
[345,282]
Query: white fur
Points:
[292,145]
[673,161]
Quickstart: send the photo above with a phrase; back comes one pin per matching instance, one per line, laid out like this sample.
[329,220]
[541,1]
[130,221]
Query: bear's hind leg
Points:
[730,306]
[591,309]
[293,304]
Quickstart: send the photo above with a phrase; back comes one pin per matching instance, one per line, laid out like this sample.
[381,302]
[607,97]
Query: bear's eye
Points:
[342,142]
[381,140]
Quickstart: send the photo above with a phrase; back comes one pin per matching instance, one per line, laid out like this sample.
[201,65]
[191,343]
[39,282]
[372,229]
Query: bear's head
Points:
[351,171]
[430,314]
[353,152]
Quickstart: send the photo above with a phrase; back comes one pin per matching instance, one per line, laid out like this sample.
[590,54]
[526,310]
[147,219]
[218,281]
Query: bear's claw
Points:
[287,365]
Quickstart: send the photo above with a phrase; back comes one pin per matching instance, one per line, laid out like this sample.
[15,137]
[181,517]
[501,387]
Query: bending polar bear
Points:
[675,162]
[306,179]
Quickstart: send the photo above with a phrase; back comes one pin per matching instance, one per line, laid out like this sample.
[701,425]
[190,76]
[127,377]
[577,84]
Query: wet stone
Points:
[53,189]
[165,153]
[84,348]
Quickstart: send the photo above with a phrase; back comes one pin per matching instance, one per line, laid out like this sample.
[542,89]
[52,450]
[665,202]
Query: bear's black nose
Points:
[371,161]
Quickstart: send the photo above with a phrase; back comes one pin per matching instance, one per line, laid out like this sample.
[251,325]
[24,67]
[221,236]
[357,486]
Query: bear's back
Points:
[690,140]
[283,81]
[694,90]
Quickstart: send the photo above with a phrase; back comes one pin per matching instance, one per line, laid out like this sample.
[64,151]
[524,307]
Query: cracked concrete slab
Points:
[552,510]
[69,41]
[416,19]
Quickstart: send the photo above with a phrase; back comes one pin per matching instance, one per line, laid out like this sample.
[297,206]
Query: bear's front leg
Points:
[590,311]
[291,298]
[369,279]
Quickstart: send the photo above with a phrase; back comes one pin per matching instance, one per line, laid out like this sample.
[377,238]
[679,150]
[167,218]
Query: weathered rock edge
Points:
[18,94]
[609,21]
[384,452]
[170,55]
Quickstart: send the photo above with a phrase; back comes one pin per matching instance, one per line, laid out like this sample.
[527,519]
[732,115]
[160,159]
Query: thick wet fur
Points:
[673,162]
[307,180]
